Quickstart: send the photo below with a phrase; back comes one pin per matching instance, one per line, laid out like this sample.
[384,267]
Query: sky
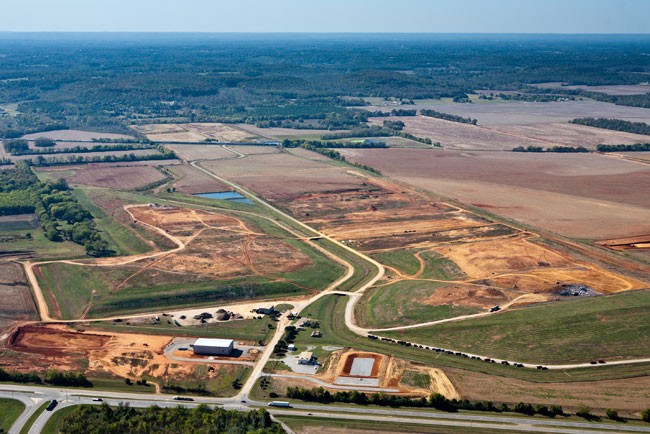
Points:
[328,16]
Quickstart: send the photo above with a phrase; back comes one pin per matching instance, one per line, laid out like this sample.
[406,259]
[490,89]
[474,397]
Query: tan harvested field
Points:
[118,178]
[524,113]
[88,154]
[611,89]
[284,176]
[577,195]
[194,181]
[458,135]
[624,395]
[255,150]
[455,135]
[566,134]
[201,152]
[274,133]
[75,135]
[197,132]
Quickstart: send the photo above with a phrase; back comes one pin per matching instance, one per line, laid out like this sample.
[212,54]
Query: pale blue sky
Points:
[419,16]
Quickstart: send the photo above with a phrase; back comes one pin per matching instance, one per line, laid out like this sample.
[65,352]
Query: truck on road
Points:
[279,404]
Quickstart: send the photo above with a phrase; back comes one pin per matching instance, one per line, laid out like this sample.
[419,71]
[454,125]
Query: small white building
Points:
[214,347]
[291,347]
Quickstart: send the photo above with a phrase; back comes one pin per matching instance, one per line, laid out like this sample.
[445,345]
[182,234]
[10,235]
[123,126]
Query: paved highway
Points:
[68,397]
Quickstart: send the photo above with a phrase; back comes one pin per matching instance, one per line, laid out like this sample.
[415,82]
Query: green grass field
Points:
[363,270]
[330,311]
[401,303]
[54,423]
[400,259]
[613,327]
[222,385]
[248,329]
[441,268]
[120,239]
[39,246]
[10,409]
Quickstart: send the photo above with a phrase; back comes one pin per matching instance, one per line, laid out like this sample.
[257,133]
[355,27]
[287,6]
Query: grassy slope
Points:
[10,409]
[119,238]
[53,424]
[330,310]
[401,259]
[612,327]
[439,267]
[400,304]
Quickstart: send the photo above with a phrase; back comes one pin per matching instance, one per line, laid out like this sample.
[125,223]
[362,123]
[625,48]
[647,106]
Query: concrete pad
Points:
[362,367]
[353,381]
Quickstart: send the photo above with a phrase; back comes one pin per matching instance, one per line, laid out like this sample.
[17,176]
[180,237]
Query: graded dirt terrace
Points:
[577,195]
[37,348]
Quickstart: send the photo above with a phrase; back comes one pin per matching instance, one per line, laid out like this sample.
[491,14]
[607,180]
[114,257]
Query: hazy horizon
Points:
[334,16]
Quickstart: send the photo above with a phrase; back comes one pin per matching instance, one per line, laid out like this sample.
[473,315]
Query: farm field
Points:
[195,132]
[276,133]
[524,113]
[88,154]
[456,135]
[611,89]
[282,176]
[16,303]
[609,327]
[579,195]
[201,152]
[64,135]
[190,180]
[117,178]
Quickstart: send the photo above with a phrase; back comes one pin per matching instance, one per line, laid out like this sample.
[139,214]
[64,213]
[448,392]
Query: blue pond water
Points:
[225,195]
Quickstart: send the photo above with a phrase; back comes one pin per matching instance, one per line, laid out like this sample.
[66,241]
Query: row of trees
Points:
[614,124]
[164,154]
[447,116]
[318,146]
[637,147]
[440,402]
[92,419]
[52,376]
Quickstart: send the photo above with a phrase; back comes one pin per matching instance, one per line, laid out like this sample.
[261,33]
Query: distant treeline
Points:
[558,149]
[93,419]
[447,117]
[17,147]
[614,124]
[323,148]
[637,147]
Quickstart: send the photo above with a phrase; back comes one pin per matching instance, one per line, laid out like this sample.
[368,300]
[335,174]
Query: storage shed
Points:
[214,347]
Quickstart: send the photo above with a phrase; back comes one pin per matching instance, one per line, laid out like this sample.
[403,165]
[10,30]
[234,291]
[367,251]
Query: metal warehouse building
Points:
[214,347]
